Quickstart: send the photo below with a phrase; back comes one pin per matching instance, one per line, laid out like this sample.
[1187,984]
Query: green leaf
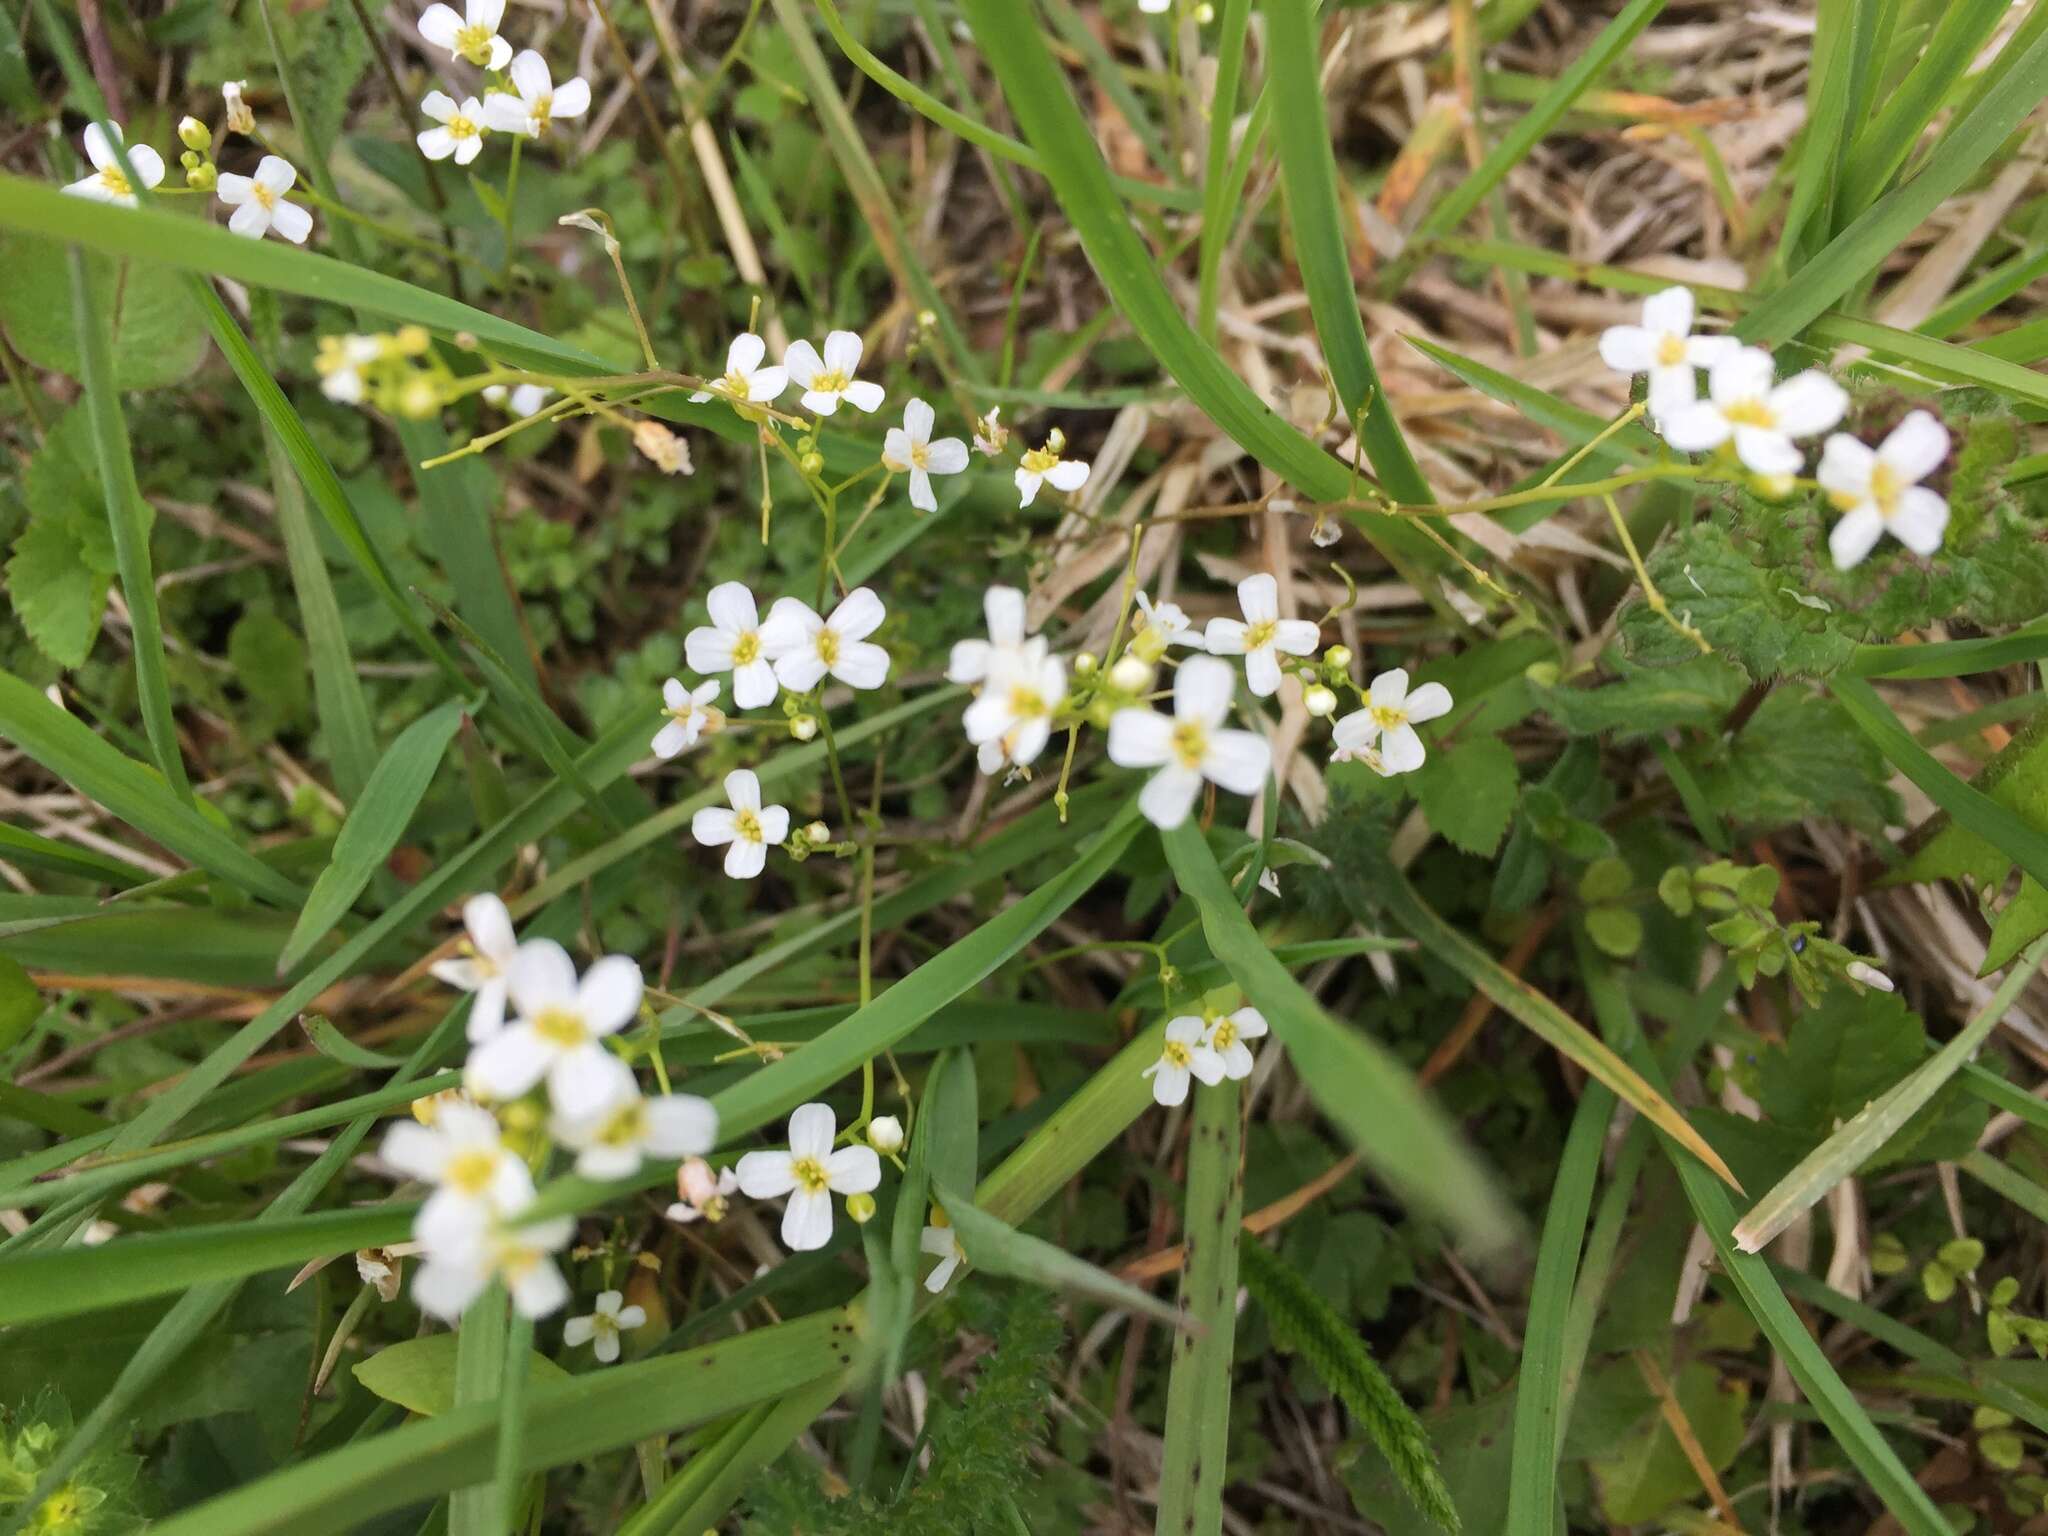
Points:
[1646,1471]
[20,1003]
[269,661]
[1196,1465]
[419,1374]
[996,1248]
[1799,755]
[335,1046]
[154,332]
[64,562]
[1359,1084]
[374,827]
[2024,919]
[1617,930]
[1468,791]
[2016,779]
[1645,701]
[1744,613]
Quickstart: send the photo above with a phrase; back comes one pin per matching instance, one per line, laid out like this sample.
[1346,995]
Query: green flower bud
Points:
[194,134]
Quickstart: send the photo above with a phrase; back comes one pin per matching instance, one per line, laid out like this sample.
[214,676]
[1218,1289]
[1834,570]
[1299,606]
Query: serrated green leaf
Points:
[1744,613]
[1799,755]
[1643,701]
[2024,919]
[156,335]
[1468,793]
[2015,778]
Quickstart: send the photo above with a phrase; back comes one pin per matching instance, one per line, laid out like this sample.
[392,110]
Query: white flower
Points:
[1664,347]
[1867,974]
[1382,735]
[612,1141]
[240,118]
[450,1279]
[476,1178]
[340,364]
[259,202]
[733,642]
[1185,1054]
[1190,746]
[885,1135]
[520,400]
[941,1243]
[746,829]
[107,183]
[1015,708]
[1762,418]
[1226,1037]
[806,647]
[1155,7]
[1165,624]
[472,36]
[1880,490]
[825,383]
[745,381]
[538,103]
[602,1328]
[558,1029]
[910,447]
[1044,465]
[704,1194]
[461,133]
[690,715]
[810,1173]
[990,435]
[1262,635]
[483,965]
[1003,608]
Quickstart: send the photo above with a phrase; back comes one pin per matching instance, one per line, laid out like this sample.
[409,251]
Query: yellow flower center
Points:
[1039,460]
[1670,350]
[627,1128]
[460,127]
[1190,744]
[470,1172]
[831,381]
[542,109]
[1387,717]
[1226,1035]
[747,827]
[603,1324]
[1885,488]
[828,647]
[809,1174]
[747,649]
[1259,634]
[1026,702]
[265,198]
[474,44]
[112,179]
[920,456]
[1177,1054]
[682,712]
[1750,413]
[560,1027]
[735,383]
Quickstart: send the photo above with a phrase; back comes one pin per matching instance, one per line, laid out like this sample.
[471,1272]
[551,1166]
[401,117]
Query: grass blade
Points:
[374,826]
[1192,1477]
[996,1248]
[1354,1080]
[1839,38]
[1217,202]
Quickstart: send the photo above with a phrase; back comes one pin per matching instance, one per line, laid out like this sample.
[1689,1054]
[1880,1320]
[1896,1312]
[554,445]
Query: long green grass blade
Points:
[996,1248]
[1218,205]
[1839,38]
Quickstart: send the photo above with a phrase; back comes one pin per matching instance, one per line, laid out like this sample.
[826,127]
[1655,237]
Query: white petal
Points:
[1225,637]
[1628,348]
[732,608]
[1845,466]
[947,456]
[745,354]
[823,402]
[505,113]
[854,1170]
[1401,750]
[1920,521]
[864,395]
[464,974]
[896,447]
[861,664]
[764,1175]
[1202,689]
[1695,429]
[1356,732]
[1672,390]
[609,996]
[606,1348]
[812,1129]
[539,1289]
[414,1150]
[438,105]
[918,420]
[1027,487]
[1767,452]
[488,14]
[291,221]
[1140,738]
[1170,1084]
[1670,312]
[1237,760]
[969,661]
[99,149]
[276,173]
[1808,404]
[489,924]
[1390,689]
[1710,351]
[541,975]
[1259,597]
[708,649]
[859,614]
[1854,536]
[1916,446]
[791,625]
[444,1287]
[509,1063]
[807,1221]
[745,860]
[583,1081]
[487,1012]
[572,100]
[233,190]
[1428,702]
[438,25]
[1742,375]
[679,1125]
[530,75]
[632,1317]
[147,164]
[800,362]
[250,220]
[754,685]
[579,1331]
[714,826]
[1251,1024]
[800,671]
[764,384]
[1169,795]
[501,55]
[1296,637]
[1262,672]
[743,789]
[774,823]
[671,739]
[921,496]
[1207,1065]
[436,143]
[842,352]
[1067,475]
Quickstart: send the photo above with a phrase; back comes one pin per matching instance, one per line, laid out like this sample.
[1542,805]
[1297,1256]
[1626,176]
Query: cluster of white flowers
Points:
[1209,1047]
[520,97]
[1750,412]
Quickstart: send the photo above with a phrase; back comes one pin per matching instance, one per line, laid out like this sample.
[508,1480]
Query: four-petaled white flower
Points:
[1013,714]
[944,1245]
[1226,1036]
[1045,466]
[472,35]
[810,1173]
[259,202]
[1191,745]
[477,1180]
[1003,608]
[910,448]
[484,964]
[745,828]
[455,1274]
[1664,347]
[1166,624]
[734,642]
[461,130]
[558,1029]
[602,1328]
[690,715]
[704,1194]
[108,183]
[240,118]
[827,381]
[520,399]
[806,647]
[1761,417]
[539,101]
[745,381]
[1879,489]
[1185,1054]
[1262,636]
[340,364]
[612,1141]
[1382,735]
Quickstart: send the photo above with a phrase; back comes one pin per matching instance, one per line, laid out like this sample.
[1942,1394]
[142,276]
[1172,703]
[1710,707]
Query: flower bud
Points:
[202,177]
[420,398]
[812,463]
[1773,487]
[860,1209]
[1085,664]
[1318,700]
[817,832]
[1130,675]
[885,1135]
[802,727]
[695,1182]
[1149,643]
[1868,975]
[1204,14]
[1338,657]
[194,134]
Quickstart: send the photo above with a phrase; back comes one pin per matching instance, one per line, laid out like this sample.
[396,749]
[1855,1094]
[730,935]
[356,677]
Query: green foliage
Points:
[1468,793]
[1644,1471]
[99,1498]
[1303,1322]
[63,562]
[156,334]
[1799,755]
